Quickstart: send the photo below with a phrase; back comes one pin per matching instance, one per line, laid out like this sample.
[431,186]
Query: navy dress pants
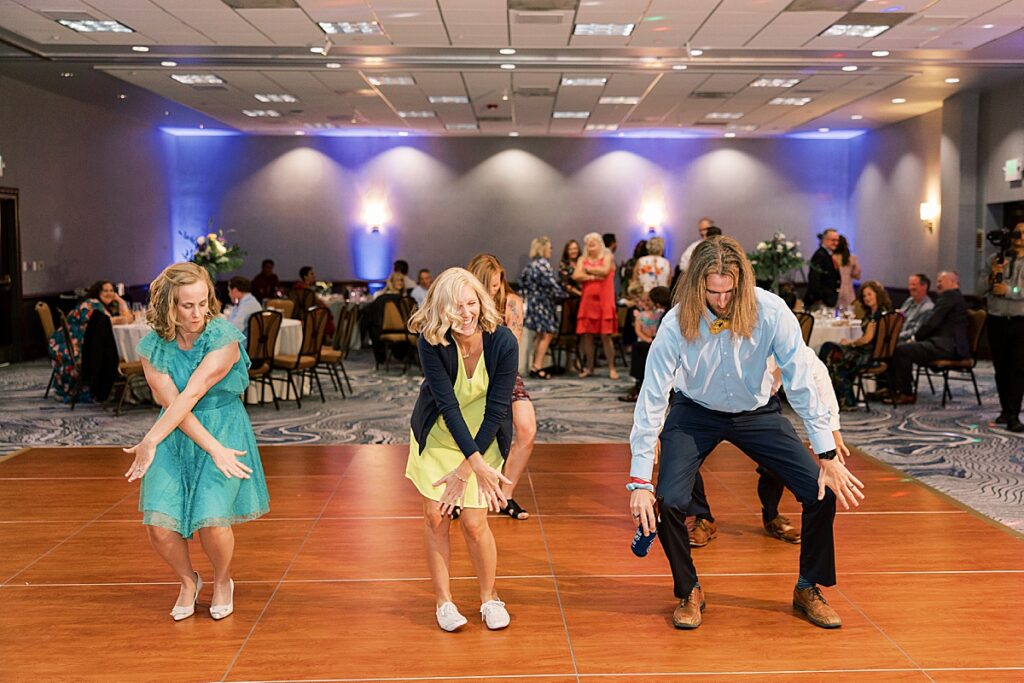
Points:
[691,432]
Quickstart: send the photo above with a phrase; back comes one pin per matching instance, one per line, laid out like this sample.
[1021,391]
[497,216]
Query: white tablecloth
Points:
[128,337]
[832,330]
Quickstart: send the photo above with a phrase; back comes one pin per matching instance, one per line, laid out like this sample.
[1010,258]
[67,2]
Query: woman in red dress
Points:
[595,272]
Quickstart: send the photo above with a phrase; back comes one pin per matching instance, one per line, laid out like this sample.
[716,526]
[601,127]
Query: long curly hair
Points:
[881,296]
[162,315]
[438,313]
[716,256]
[483,267]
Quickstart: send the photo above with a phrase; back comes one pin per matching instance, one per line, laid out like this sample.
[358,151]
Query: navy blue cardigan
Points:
[437,393]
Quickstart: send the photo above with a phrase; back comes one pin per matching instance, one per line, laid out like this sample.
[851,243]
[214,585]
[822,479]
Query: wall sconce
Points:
[652,215]
[375,214]
[929,210]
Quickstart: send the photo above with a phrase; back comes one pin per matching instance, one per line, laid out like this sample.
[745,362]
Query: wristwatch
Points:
[827,455]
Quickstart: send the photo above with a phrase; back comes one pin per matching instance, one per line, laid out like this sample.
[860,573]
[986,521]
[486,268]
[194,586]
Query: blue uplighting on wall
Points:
[846,134]
[371,254]
[198,132]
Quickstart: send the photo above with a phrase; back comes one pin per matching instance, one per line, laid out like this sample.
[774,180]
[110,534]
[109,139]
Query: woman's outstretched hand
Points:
[489,481]
[226,460]
[144,453]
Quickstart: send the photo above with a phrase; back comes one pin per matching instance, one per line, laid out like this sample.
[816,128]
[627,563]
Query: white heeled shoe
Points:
[218,612]
[179,613]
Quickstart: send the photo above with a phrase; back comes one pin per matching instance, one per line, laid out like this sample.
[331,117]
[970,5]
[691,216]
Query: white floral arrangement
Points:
[775,258]
[323,287]
[211,251]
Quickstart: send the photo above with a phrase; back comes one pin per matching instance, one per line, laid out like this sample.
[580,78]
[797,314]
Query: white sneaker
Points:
[494,614]
[448,617]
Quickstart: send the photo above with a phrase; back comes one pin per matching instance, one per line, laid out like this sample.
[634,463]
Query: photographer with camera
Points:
[1006,322]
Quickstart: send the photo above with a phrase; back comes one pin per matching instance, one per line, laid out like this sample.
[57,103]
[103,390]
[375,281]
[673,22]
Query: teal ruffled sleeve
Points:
[157,351]
[220,333]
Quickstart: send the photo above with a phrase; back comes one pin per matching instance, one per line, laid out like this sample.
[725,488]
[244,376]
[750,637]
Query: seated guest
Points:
[395,284]
[402,267]
[119,311]
[917,306]
[423,281]
[303,293]
[240,292]
[943,335]
[266,284]
[845,359]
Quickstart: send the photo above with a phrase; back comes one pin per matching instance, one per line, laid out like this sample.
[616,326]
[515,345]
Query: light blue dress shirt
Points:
[239,316]
[728,374]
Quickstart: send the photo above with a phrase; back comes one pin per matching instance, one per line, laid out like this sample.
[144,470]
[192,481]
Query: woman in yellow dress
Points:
[461,432]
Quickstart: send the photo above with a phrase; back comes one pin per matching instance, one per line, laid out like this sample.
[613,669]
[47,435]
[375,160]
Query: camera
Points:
[1000,239]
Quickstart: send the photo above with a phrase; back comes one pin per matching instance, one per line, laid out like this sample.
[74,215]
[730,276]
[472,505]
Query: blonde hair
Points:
[538,246]
[716,256]
[163,297]
[395,283]
[438,313]
[656,246]
[483,267]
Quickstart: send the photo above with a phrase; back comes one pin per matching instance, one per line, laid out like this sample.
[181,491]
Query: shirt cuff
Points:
[822,441]
[642,467]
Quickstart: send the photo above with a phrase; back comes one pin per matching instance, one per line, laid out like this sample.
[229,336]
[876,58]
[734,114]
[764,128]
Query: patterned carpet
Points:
[954,450]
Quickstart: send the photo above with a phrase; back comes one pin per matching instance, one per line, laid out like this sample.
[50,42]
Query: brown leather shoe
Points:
[702,532]
[898,399]
[687,615]
[782,529]
[810,602]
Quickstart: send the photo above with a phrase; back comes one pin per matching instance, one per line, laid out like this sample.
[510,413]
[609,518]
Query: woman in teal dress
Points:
[199,465]
[461,433]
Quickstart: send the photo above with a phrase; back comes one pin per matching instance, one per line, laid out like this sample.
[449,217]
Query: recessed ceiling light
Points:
[272,97]
[855,30]
[351,27]
[299,132]
[775,83]
[507,51]
[262,113]
[747,128]
[619,100]
[448,99]
[899,100]
[696,52]
[856,117]
[730,135]
[513,134]
[197,79]
[570,115]
[94,26]
[952,81]
[504,98]
[724,115]
[461,126]
[318,50]
[790,101]
[988,26]
[403,133]
[679,67]
[122,96]
[373,60]
[602,126]
[508,66]
[824,130]
[417,114]
[168,63]
[880,53]
[332,65]
[67,74]
[850,67]
[140,48]
[603,29]
[587,81]
[391,80]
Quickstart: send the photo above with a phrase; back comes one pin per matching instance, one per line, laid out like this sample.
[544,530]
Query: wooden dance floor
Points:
[332,584]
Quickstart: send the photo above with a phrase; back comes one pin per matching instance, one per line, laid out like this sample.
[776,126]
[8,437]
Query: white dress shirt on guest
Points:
[728,374]
[239,316]
[684,260]
[418,294]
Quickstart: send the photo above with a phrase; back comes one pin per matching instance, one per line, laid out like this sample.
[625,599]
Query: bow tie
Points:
[719,324]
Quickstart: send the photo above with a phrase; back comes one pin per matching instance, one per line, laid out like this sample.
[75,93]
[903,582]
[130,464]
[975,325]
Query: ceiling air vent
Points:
[534,92]
[822,5]
[545,18]
[711,95]
[807,91]
[209,87]
[494,119]
[542,5]
[710,124]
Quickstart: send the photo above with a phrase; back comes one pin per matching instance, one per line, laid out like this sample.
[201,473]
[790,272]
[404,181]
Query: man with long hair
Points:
[711,354]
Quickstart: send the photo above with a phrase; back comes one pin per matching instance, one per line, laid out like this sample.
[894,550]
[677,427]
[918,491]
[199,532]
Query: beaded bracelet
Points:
[633,486]
[464,481]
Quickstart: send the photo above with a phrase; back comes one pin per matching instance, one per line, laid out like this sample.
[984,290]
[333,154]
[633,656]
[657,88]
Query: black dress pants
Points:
[1006,340]
[691,432]
[769,491]
[903,359]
